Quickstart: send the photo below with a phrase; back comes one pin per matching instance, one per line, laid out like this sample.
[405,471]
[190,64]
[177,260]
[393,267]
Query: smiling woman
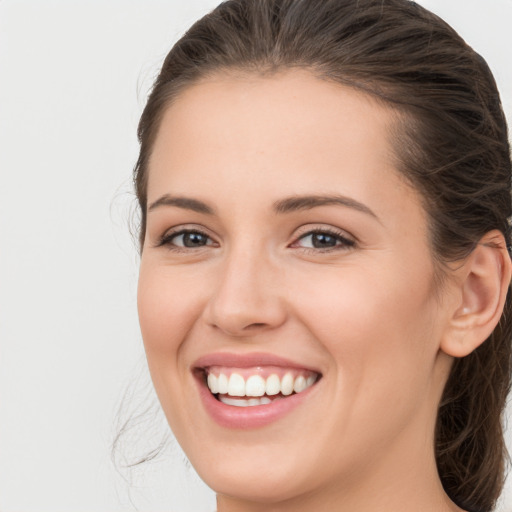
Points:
[325,194]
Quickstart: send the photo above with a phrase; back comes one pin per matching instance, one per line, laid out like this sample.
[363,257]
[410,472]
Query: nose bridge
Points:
[246,297]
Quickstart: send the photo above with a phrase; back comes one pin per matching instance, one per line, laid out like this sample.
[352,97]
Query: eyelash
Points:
[342,242]
[166,239]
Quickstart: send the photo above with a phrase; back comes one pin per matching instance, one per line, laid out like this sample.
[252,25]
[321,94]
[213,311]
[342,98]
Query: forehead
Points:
[289,130]
[244,110]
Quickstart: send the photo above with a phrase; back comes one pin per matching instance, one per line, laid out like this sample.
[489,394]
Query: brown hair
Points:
[451,144]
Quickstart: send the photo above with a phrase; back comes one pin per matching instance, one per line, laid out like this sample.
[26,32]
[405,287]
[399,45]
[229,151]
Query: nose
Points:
[247,298]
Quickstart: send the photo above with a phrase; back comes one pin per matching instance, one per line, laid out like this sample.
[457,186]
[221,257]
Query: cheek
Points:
[377,325]
[378,332]
[167,306]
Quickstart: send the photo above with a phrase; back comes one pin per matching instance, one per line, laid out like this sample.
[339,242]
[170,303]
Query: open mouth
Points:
[260,385]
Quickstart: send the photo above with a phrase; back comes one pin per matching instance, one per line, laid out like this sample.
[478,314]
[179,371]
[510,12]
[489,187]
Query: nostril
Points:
[256,325]
[241,330]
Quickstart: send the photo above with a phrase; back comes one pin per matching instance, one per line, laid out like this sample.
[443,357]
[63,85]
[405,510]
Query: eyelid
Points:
[323,228]
[348,240]
[181,229]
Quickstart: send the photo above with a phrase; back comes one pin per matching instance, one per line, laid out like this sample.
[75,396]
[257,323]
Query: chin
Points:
[256,483]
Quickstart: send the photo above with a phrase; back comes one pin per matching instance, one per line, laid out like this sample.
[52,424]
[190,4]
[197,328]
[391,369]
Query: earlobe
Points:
[484,282]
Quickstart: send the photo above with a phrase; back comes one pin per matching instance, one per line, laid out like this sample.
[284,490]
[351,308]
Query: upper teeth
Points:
[256,385]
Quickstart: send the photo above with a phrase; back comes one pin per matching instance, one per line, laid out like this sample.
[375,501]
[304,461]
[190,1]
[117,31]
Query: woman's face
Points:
[283,251]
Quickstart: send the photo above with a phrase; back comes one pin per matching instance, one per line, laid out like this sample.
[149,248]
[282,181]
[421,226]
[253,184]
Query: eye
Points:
[186,239]
[324,239]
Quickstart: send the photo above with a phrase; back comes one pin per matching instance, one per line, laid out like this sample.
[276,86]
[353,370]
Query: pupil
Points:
[193,239]
[323,240]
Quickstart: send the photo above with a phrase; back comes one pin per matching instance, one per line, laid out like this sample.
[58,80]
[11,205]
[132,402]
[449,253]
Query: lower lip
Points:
[255,416]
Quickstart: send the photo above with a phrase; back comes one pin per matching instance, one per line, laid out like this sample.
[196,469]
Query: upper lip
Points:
[248,360]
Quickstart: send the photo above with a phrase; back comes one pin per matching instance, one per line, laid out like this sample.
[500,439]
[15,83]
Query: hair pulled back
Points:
[450,141]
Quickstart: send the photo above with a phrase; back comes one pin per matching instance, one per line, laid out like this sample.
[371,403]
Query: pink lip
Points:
[247,361]
[246,417]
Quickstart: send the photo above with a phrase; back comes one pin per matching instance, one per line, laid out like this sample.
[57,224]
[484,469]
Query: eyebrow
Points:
[296,203]
[187,203]
[283,206]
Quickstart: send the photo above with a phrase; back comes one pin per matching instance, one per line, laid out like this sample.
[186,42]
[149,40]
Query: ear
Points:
[484,280]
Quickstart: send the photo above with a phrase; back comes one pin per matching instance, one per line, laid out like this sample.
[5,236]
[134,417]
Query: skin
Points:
[366,314]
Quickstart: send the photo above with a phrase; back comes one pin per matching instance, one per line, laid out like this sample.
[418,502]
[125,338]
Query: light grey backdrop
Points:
[73,80]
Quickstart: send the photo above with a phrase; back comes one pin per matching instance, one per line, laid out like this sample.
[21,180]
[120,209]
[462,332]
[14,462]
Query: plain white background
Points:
[74,76]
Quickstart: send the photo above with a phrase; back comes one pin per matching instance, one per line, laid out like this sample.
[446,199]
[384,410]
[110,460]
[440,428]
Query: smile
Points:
[245,391]
[248,387]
